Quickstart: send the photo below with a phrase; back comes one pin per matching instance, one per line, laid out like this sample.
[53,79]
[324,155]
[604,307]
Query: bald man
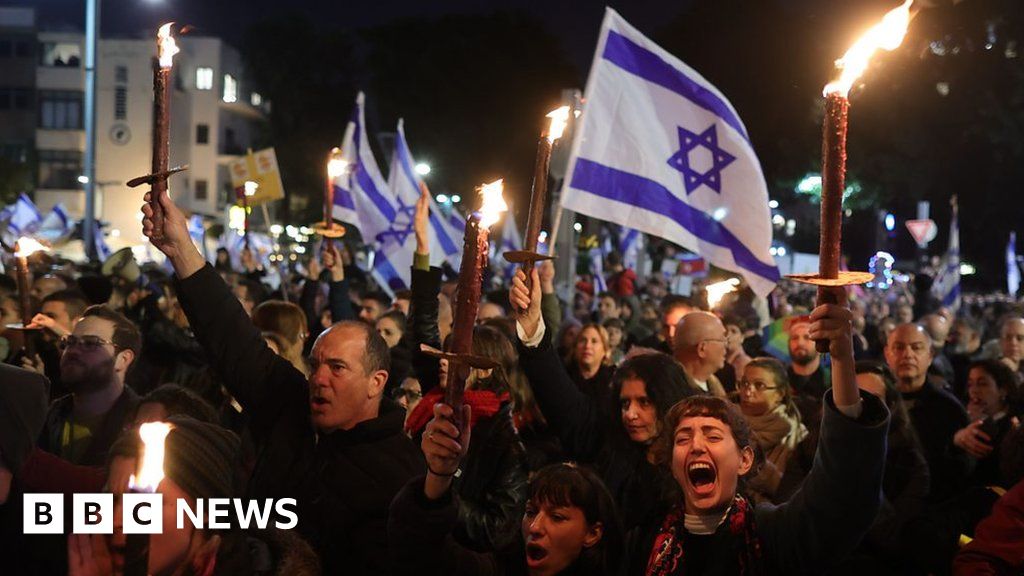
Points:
[935,413]
[700,346]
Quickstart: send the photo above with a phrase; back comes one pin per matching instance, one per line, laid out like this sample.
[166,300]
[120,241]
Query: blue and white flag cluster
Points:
[946,287]
[661,150]
[56,226]
[102,250]
[1012,268]
[631,243]
[361,191]
[392,261]
[21,218]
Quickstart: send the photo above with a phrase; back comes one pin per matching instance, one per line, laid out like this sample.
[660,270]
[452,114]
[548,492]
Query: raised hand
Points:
[313,269]
[420,221]
[175,243]
[44,321]
[526,301]
[834,322]
[443,446]
[332,261]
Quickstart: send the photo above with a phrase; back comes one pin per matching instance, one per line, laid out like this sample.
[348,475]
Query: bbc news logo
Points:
[144,513]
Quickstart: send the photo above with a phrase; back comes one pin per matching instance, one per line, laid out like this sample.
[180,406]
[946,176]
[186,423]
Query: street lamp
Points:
[423,169]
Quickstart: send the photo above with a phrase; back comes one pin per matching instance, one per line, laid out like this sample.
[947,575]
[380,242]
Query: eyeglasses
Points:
[757,385]
[86,342]
[410,395]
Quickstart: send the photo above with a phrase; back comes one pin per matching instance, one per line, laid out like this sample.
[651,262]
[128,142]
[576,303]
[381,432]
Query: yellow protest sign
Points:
[259,167]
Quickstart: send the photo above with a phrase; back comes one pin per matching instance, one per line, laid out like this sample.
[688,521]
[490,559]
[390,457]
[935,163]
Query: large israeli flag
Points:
[946,287]
[361,195]
[661,150]
[393,260]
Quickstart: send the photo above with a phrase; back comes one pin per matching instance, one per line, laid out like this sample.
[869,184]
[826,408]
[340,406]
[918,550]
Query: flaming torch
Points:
[336,167]
[23,248]
[467,297]
[157,179]
[151,473]
[538,196]
[718,290]
[886,35]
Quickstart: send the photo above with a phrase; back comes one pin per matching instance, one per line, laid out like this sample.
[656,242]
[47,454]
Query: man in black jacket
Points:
[331,442]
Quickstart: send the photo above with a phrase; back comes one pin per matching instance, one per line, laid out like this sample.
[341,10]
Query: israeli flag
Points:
[631,242]
[946,287]
[392,262]
[511,241]
[597,271]
[56,225]
[1012,270]
[197,232]
[22,217]
[661,150]
[361,191]
[102,250]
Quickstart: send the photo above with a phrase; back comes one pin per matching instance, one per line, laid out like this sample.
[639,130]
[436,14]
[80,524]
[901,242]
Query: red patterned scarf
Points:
[483,404]
[668,554]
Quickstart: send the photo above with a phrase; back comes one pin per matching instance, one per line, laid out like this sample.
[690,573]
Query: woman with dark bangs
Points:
[569,526]
[708,447]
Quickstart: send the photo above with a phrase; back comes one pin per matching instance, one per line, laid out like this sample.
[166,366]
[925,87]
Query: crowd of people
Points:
[625,432]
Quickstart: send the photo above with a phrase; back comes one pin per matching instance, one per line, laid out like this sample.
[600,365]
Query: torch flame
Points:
[493,204]
[718,290]
[886,35]
[166,47]
[336,165]
[151,472]
[26,246]
[559,118]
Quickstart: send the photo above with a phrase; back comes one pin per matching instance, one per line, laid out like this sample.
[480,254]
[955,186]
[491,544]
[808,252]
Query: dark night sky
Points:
[577,21]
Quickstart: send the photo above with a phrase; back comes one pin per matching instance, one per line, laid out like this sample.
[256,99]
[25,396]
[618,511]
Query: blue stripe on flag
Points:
[649,195]
[447,244]
[382,203]
[386,271]
[343,198]
[405,161]
[637,60]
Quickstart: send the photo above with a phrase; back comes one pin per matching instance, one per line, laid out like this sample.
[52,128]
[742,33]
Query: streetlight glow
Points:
[423,169]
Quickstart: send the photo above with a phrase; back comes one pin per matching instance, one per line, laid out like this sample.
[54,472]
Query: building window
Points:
[202,133]
[121,74]
[15,98]
[120,103]
[59,168]
[204,78]
[256,99]
[61,54]
[60,110]
[230,88]
[201,190]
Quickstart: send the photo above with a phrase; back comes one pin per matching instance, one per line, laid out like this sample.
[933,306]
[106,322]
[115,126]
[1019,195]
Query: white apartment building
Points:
[215,117]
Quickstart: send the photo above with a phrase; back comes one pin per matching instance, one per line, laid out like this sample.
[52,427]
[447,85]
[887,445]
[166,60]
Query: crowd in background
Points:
[631,431]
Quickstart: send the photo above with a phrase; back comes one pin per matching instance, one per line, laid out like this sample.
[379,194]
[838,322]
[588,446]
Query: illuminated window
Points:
[256,99]
[230,88]
[204,78]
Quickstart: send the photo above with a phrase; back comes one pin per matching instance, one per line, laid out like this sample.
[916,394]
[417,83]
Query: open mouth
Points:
[535,553]
[318,401]
[702,477]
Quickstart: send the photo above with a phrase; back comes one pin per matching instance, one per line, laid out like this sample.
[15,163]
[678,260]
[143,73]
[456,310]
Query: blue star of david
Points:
[688,141]
[401,227]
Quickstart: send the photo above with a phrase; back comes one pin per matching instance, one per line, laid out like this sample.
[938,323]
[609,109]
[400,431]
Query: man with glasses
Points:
[935,413]
[95,358]
[700,347]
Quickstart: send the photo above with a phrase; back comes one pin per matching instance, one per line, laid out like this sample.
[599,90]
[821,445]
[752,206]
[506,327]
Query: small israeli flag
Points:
[22,217]
[1012,269]
[661,150]
[946,287]
[55,225]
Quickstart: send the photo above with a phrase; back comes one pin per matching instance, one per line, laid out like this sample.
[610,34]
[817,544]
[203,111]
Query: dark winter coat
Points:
[343,481]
